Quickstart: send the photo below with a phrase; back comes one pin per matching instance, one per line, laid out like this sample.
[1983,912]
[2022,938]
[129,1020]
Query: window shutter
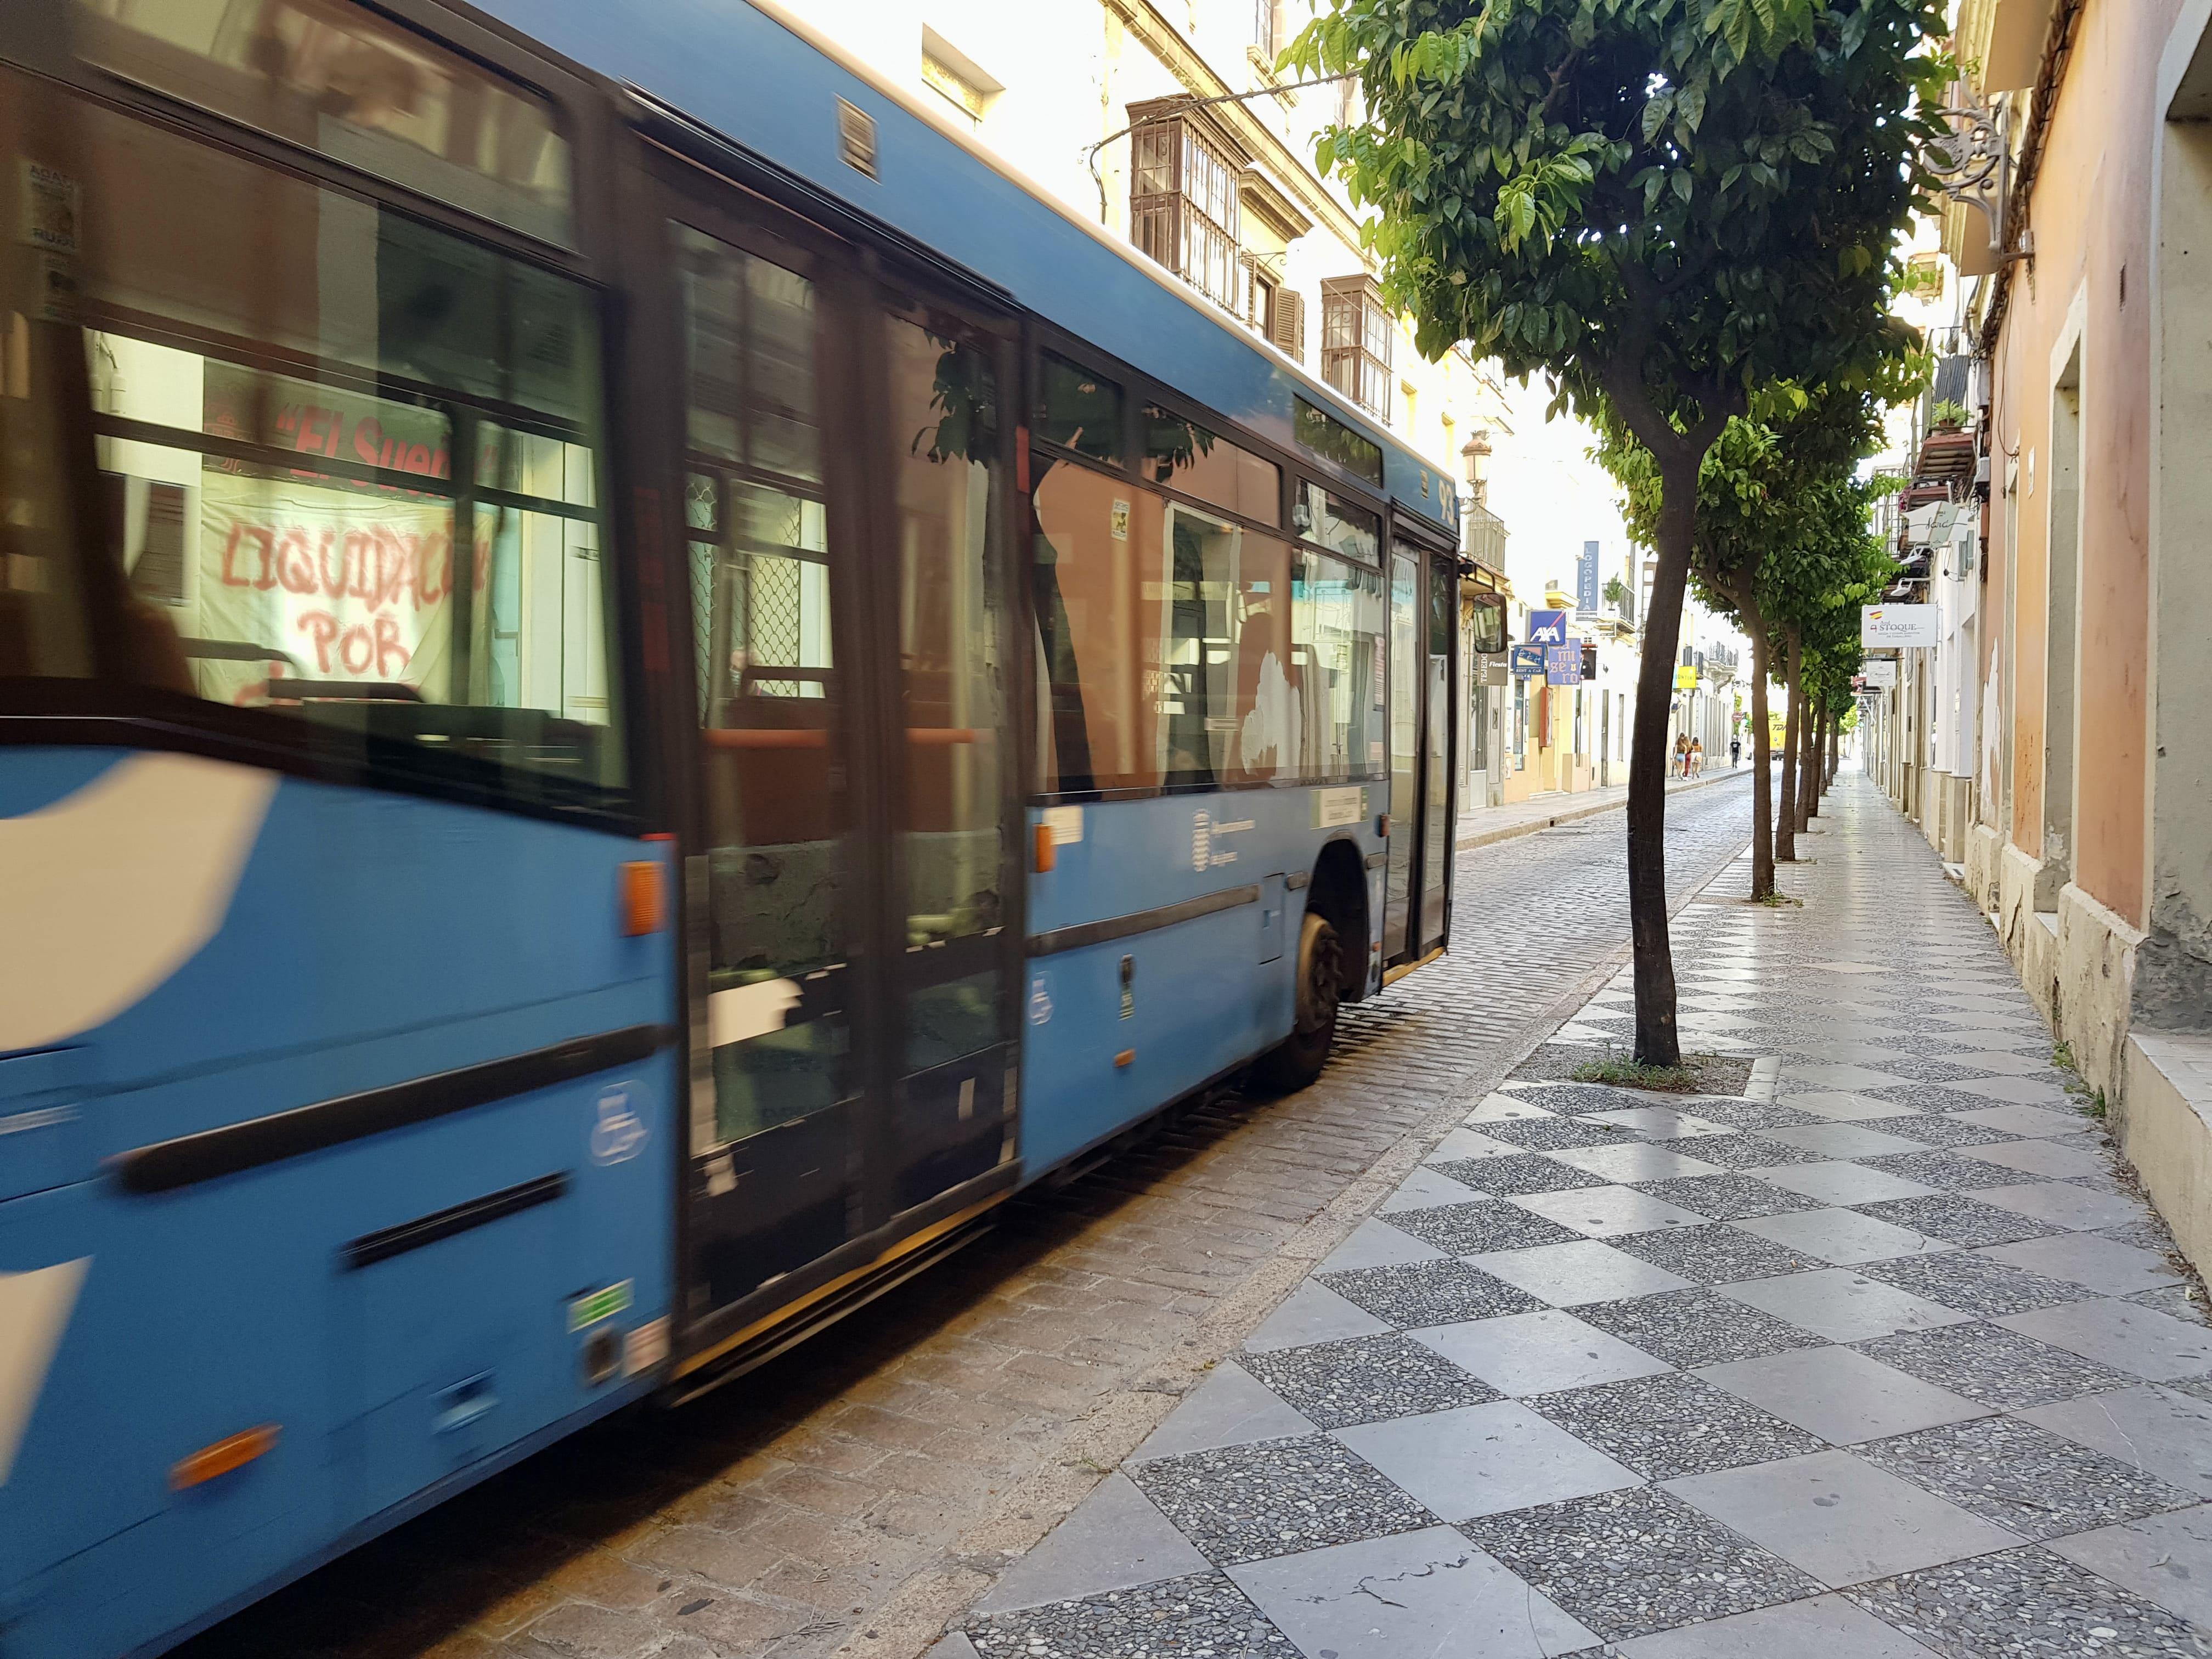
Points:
[1286,323]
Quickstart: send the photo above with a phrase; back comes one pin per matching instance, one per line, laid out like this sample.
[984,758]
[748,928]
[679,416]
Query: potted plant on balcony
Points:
[1947,415]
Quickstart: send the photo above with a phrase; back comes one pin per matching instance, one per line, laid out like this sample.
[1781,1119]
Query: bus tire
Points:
[1297,1060]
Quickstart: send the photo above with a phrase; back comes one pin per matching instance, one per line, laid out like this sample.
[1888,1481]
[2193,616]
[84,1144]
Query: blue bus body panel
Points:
[1204,994]
[781,105]
[371,939]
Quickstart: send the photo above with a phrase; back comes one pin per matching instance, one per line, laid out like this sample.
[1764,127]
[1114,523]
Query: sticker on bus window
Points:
[52,207]
[1066,823]
[1333,808]
[1117,520]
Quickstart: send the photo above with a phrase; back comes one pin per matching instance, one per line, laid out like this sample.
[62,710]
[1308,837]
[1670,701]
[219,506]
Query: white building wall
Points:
[1055,77]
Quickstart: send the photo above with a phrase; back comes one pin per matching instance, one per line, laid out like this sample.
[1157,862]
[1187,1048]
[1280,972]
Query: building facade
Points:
[2054,740]
[1164,122]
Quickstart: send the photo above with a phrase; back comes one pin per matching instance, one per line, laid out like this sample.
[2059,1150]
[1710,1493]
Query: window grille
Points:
[1183,210]
[1356,338]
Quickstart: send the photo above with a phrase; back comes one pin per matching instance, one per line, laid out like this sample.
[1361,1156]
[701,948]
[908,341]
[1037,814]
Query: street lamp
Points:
[1471,454]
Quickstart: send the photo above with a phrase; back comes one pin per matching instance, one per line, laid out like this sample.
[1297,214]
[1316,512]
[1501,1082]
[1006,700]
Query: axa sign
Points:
[1897,625]
[1547,627]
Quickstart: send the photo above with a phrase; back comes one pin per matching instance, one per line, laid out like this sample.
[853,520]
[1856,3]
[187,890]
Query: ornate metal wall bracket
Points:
[1973,162]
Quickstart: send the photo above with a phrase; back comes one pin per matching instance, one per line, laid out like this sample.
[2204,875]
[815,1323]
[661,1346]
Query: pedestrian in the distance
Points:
[1696,755]
[1735,753]
[1682,757]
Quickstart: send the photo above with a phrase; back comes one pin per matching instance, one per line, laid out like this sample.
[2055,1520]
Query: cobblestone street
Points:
[853,1496]
[1877,1355]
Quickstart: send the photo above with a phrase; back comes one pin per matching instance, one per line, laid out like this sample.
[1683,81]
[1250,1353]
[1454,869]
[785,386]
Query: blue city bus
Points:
[634,684]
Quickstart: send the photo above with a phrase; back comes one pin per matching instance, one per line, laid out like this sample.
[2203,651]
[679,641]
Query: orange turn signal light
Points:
[1127,1057]
[1047,850]
[644,898]
[233,1451]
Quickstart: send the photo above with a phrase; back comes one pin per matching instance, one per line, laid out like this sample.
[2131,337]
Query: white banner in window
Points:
[349,586]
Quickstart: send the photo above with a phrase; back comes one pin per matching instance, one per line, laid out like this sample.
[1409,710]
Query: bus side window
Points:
[1095,547]
[371,504]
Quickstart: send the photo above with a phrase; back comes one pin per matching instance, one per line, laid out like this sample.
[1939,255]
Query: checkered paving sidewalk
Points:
[1878,1358]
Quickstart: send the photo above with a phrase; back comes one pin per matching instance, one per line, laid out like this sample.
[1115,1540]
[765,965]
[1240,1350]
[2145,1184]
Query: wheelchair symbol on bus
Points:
[618,1134]
[1040,1000]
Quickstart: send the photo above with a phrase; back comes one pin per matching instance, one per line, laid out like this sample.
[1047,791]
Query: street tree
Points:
[1660,203]
[1832,564]
[1761,493]
[1828,634]
[1739,491]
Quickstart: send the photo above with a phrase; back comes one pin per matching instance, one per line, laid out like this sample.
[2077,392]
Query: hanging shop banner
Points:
[1563,665]
[1527,661]
[1879,673]
[1547,627]
[1686,677]
[1901,625]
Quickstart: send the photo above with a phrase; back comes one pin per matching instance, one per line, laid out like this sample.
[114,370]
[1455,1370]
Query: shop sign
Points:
[1547,627]
[1563,665]
[1527,661]
[1879,673]
[1901,625]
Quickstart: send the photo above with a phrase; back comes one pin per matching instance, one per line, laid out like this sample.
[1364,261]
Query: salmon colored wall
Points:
[2091,217]
[2020,414]
[2114,794]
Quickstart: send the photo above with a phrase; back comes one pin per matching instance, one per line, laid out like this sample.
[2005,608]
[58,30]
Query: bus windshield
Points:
[280,449]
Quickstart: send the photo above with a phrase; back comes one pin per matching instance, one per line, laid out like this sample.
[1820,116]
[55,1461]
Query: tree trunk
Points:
[1810,783]
[1658,1040]
[1785,821]
[1762,759]
[1835,748]
[1817,766]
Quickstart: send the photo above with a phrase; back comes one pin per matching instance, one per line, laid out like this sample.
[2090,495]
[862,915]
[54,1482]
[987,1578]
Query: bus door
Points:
[1439,742]
[940,385]
[1423,607]
[849,955]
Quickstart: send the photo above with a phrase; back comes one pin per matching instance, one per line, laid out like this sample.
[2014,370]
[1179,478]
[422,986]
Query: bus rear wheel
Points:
[1297,1060]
